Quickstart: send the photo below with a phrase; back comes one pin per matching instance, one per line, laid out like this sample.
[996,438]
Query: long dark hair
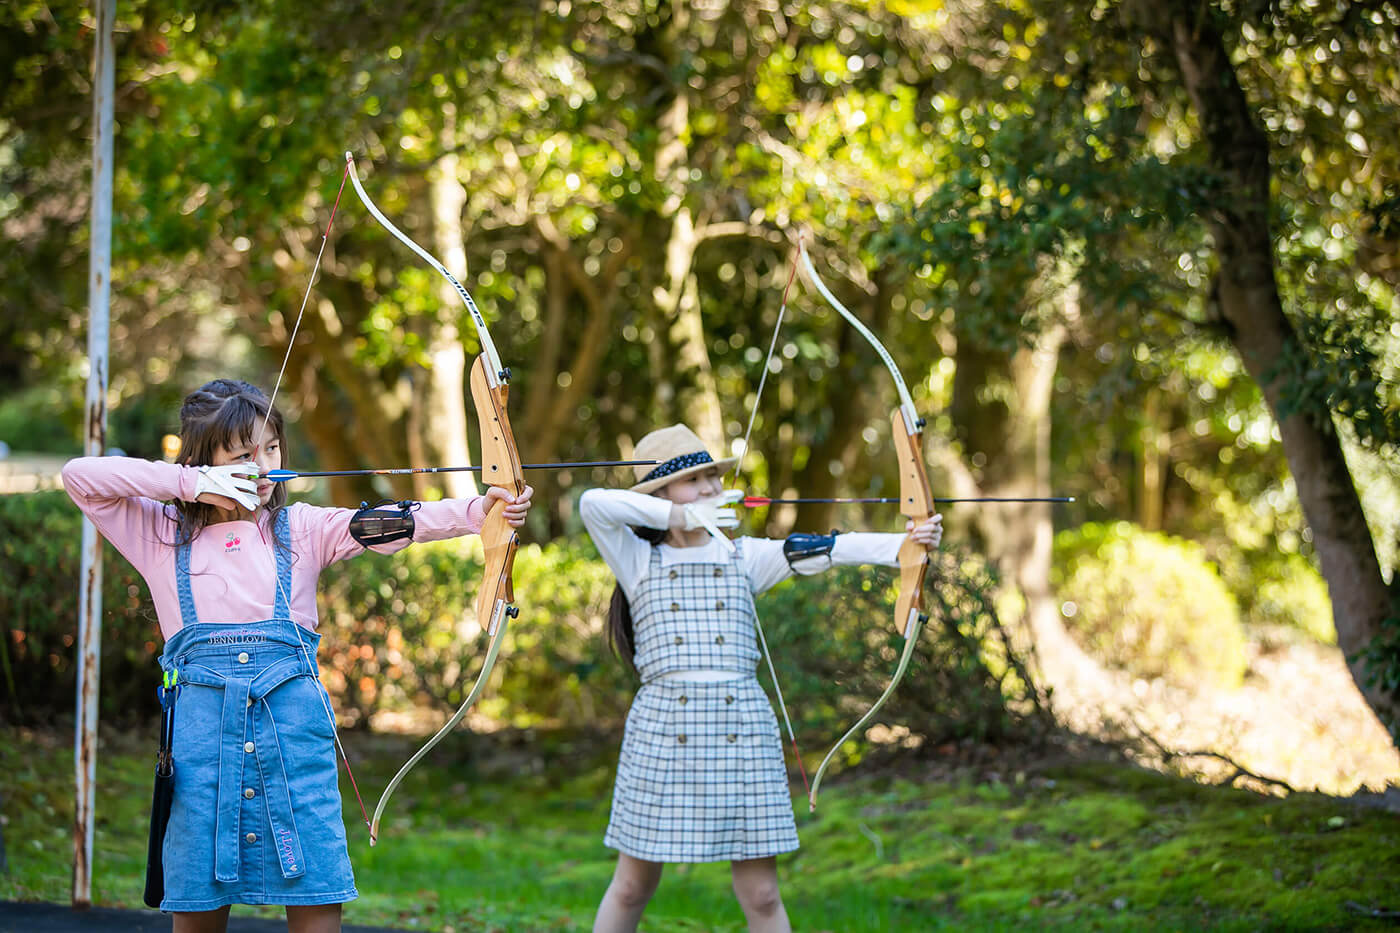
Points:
[621,638]
[223,413]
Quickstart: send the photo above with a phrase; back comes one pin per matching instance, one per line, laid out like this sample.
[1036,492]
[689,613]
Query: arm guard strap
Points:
[373,525]
[803,548]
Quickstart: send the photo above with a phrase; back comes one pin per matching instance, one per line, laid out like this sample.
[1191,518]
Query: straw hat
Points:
[678,452]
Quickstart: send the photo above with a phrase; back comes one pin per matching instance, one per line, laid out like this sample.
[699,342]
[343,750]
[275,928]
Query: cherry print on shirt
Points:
[232,541]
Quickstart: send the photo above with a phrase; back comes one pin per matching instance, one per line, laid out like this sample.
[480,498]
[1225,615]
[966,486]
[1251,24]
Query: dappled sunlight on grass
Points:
[501,833]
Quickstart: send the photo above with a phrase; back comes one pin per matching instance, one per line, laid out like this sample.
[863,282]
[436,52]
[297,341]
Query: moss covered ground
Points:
[505,834]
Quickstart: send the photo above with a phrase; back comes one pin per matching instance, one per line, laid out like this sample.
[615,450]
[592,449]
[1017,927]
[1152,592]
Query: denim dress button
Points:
[249,793]
[247,746]
[242,657]
[251,837]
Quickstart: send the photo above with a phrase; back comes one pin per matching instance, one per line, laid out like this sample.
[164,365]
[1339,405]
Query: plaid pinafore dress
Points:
[256,816]
[701,777]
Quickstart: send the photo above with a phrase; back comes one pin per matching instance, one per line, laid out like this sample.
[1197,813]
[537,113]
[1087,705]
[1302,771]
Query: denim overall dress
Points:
[256,817]
[701,777]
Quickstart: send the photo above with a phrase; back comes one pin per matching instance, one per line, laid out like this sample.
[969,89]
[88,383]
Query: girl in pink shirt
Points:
[232,569]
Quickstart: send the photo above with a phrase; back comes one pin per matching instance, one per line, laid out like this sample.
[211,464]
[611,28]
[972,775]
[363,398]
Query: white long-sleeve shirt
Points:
[610,514]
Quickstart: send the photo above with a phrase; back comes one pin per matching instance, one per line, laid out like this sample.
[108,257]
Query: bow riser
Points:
[916,502]
[500,464]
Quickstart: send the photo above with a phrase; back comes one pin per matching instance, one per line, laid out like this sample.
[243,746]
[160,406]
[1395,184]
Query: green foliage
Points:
[37,421]
[399,631]
[400,635]
[1291,592]
[1149,603]
[40,538]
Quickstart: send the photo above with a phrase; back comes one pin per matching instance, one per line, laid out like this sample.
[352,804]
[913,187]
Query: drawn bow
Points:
[916,503]
[500,466]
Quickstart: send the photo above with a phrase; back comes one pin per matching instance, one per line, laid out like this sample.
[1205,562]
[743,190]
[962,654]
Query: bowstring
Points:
[767,361]
[737,466]
[796,752]
[286,597]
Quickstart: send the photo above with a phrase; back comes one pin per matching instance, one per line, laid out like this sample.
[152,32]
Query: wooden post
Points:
[90,585]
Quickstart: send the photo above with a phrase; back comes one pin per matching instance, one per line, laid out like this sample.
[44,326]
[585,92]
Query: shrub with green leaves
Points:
[40,545]
[1149,603]
[399,634]
[1290,592]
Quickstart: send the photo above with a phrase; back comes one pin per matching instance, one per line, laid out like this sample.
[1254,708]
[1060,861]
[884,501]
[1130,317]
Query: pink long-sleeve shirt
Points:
[233,567]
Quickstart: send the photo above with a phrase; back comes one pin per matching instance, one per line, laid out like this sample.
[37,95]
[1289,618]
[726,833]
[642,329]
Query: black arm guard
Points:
[375,525]
[803,547]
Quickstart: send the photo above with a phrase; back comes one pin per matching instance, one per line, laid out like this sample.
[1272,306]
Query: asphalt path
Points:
[17,917]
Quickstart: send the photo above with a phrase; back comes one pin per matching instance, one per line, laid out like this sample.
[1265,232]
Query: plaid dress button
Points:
[674,574]
[680,640]
[732,738]
[675,607]
[681,738]
[719,639]
[729,699]
[682,699]
[719,604]
[719,571]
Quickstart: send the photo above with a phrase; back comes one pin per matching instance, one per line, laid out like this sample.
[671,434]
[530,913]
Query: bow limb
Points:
[909,615]
[500,466]
[496,372]
[916,503]
[911,636]
[491,652]
[913,424]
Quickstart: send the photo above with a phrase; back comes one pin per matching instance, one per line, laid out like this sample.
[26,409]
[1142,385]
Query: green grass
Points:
[497,834]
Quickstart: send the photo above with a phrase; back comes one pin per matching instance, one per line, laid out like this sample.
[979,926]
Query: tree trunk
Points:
[440,395]
[1250,304]
[1001,414]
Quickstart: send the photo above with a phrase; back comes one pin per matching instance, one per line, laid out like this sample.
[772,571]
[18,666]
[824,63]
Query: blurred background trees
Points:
[1089,236]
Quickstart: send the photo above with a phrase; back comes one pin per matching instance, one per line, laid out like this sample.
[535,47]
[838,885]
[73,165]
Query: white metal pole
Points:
[90,587]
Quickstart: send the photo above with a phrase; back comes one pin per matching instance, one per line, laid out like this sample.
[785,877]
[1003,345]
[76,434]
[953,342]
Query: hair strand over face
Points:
[223,414]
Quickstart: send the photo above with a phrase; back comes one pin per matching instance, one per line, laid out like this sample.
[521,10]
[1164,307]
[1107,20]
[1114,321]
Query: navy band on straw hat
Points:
[680,452]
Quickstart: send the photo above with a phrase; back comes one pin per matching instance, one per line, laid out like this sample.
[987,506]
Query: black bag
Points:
[163,794]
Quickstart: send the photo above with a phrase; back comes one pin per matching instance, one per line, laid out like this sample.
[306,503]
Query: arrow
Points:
[281,476]
[758,502]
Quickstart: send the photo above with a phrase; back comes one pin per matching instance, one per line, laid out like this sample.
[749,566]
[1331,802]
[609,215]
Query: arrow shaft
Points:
[757,502]
[281,476]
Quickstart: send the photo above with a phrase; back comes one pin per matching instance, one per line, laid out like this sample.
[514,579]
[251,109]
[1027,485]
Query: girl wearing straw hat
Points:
[701,776]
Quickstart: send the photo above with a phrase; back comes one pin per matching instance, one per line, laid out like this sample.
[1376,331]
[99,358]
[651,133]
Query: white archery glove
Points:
[714,514]
[236,481]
